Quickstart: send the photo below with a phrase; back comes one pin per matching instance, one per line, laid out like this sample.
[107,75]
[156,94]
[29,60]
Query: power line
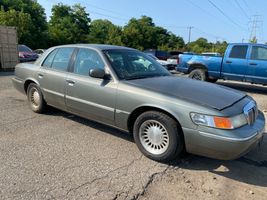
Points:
[104,9]
[125,20]
[226,16]
[204,10]
[101,14]
[97,13]
[246,4]
[210,34]
[243,11]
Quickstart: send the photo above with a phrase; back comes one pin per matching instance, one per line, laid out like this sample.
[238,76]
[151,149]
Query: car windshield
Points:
[23,48]
[131,64]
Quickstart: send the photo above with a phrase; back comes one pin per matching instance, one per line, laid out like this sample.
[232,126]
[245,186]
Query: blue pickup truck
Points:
[241,62]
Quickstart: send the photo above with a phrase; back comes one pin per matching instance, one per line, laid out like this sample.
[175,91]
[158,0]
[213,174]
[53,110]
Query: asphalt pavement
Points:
[57,155]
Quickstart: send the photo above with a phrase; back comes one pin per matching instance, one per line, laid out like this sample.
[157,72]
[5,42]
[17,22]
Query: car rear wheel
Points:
[198,74]
[158,136]
[35,98]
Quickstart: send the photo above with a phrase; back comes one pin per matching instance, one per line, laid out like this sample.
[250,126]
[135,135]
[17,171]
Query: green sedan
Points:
[126,89]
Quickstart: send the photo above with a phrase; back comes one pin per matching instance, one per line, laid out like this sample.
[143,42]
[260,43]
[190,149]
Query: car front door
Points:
[90,97]
[235,64]
[52,76]
[257,65]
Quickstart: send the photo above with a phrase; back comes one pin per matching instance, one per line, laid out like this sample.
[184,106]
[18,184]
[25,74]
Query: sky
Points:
[216,20]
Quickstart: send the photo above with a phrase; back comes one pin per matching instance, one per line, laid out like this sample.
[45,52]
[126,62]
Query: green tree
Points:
[253,40]
[38,26]
[104,32]
[19,19]
[220,47]
[144,34]
[140,33]
[199,46]
[68,24]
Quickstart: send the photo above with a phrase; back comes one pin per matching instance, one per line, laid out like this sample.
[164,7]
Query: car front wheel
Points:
[158,136]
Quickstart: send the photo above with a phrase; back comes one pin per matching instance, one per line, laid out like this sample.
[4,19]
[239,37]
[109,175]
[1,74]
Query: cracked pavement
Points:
[60,156]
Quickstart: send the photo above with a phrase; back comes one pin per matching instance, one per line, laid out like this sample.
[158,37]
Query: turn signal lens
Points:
[216,122]
[222,122]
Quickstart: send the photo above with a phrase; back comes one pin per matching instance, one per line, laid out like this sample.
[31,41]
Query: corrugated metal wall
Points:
[8,47]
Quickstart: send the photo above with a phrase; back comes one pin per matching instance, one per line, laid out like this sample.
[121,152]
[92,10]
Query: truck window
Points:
[239,51]
[259,53]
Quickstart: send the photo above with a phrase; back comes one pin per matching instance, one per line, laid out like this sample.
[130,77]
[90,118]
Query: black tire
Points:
[35,98]
[169,129]
[198,74]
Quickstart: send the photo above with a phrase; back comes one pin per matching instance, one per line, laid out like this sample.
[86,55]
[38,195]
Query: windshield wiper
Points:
[145,76]
[136,77]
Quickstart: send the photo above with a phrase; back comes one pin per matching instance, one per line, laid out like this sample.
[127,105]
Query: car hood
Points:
[202,93]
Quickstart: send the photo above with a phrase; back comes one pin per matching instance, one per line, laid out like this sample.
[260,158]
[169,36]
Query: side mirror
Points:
[97,73]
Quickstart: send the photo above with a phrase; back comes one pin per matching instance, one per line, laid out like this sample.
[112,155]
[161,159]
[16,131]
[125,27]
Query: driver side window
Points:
[86,60]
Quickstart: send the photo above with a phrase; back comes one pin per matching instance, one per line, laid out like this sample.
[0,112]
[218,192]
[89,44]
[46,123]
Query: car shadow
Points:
[250,88]
[243,169]
[92,124]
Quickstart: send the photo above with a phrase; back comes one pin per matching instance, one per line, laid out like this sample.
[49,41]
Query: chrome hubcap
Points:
[154,137]
[35,97]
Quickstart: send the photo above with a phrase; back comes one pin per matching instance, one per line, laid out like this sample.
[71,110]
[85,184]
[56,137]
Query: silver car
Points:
[126,89]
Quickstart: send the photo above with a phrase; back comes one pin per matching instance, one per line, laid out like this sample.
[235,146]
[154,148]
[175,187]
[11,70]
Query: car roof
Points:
[97,46]
[248,44]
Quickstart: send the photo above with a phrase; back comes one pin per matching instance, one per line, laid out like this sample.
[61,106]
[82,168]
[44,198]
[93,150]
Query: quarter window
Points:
[62,58]
[86,60]
[49,59]
[259,53]
[239,51]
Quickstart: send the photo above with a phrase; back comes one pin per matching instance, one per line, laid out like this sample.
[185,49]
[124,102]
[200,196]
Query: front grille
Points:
[251,112]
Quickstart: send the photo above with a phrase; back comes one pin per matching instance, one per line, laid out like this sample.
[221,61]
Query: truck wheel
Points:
[157,136]
[35,98]
[198,74]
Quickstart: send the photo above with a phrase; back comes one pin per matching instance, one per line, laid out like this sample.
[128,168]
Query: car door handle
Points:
[253,64]
[70,82]
[228,62]
[40,75]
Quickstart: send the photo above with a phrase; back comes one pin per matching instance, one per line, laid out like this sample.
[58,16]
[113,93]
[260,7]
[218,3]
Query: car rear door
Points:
[90,97]
[52,76]
[235,64]
[257,65]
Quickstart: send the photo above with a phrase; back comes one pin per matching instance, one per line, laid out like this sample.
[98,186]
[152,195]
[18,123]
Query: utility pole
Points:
[256,23]
[189,36]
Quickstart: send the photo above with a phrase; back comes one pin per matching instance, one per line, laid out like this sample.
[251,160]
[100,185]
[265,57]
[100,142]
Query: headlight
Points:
[219,122]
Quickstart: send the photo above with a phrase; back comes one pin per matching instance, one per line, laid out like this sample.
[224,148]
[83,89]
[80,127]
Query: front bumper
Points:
[224,144]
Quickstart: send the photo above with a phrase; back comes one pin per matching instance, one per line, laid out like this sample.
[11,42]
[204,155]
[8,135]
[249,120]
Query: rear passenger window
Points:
[239,51]
[62,58]
[259,53]
[49,59]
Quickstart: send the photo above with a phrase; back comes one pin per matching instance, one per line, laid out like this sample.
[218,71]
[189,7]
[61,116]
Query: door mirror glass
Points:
[97,73]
